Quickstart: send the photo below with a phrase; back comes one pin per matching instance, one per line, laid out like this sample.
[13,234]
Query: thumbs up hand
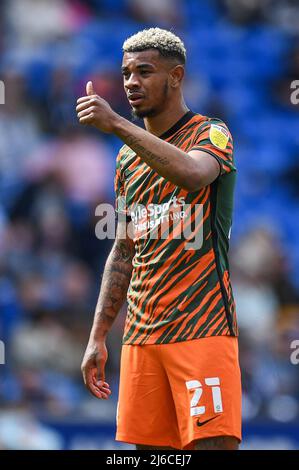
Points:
[94,110]
[89,89]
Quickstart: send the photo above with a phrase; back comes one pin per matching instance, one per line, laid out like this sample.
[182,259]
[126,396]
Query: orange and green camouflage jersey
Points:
[180,287]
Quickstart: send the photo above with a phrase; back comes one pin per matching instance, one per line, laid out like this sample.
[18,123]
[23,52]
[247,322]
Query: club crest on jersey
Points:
[219,136]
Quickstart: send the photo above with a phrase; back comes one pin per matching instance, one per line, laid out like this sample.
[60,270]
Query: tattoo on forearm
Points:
[115,283]
[136,145]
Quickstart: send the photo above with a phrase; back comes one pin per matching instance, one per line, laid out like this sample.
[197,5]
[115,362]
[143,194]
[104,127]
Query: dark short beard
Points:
[152,111]
[142,114]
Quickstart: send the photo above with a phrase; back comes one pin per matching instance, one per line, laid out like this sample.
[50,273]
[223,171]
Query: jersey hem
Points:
[153,339]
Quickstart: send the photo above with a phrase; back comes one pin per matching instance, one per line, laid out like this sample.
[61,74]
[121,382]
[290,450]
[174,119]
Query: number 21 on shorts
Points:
[195,385]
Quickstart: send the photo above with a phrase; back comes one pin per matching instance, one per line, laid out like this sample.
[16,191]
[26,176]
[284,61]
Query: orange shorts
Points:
[173,394]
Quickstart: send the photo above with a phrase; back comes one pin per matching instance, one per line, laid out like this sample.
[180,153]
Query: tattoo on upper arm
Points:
[119,269]
[122,252]
[137,146]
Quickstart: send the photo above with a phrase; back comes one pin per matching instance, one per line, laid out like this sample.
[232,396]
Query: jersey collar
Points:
[177,126]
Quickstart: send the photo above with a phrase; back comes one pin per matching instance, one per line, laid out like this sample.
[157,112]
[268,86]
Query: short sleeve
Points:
[214,138]
[119,190]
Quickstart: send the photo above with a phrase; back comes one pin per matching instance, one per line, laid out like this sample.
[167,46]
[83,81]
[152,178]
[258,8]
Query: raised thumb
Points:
[89,89]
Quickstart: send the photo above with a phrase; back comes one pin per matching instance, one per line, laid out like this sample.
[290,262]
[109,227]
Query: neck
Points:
[159,124]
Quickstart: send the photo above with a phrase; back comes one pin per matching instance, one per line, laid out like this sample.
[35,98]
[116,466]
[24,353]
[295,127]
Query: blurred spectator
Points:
[246,11]
[20,431]
[56,109]
[82,165]
[282,85]
[260,284]
[165,13]
[261,290]
[19,134]
[46,345]
[291,177]
[36,21]
[255,261]
[284,14]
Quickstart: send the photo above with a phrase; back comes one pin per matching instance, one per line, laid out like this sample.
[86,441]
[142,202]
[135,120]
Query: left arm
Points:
[191,171]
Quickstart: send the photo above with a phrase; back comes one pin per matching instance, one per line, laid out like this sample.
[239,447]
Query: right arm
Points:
[113,292]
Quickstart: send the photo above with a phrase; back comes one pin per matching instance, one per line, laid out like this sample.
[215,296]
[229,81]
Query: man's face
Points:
[146,76]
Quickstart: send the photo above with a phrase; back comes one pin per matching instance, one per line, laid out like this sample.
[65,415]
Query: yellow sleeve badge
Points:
[219,136]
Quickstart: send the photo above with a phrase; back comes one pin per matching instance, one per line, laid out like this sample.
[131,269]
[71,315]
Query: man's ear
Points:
[177,75]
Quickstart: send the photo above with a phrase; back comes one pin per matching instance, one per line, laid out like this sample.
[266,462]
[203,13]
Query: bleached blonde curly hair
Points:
[167,43]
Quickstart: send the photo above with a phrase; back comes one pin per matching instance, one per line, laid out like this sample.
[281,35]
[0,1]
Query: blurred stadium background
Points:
[242,58]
